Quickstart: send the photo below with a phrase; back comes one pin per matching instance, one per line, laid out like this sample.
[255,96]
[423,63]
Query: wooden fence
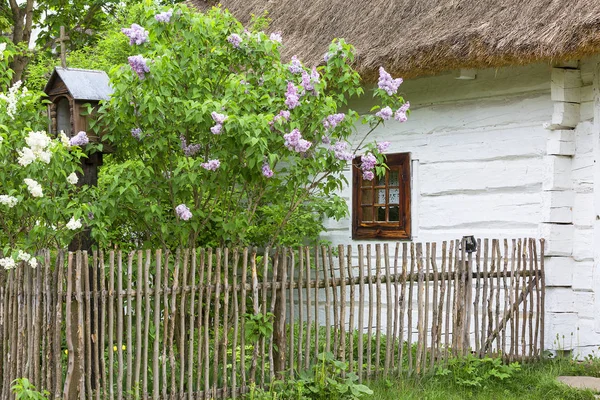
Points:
[209,323]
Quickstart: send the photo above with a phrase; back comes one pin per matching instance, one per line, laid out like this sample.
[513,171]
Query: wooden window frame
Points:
[383,230]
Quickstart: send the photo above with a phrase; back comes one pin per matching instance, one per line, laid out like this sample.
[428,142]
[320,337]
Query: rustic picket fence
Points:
[210,323]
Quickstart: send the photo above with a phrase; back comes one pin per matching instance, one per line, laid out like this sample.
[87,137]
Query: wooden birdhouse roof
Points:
[82,84]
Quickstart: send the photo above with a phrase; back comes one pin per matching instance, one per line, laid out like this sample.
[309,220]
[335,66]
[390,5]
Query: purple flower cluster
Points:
[266,170]
[284,115]
[385,113]
[367,165]
[309,81]
[325,140]
[276,37]
[211,165]
[383,146]
[189,150]
[400,115]
[294,142]
[136,133]
[136,34]
[183,212]
[81,139]
[387,83]
[295,66]
[292,100]
[341,152]
[164,16]
[235,40]
[138,65]
[333,120]
[219,119]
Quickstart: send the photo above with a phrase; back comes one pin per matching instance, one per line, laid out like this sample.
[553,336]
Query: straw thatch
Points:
[420,37]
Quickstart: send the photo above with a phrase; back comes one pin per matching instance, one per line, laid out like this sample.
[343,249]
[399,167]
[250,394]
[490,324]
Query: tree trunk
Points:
[22,26]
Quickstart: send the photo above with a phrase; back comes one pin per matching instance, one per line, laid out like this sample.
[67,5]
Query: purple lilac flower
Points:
[211,165]
[400,115]
[136,133]
[292,99]
[368,175]
[341,152]
[266,170]
[294,142]
[383,146]
[295,66]
[327,56]
[325,140]
[235,40]
[387,83]
[183,212]
[189,150]
[138,65]
[368,162]
[276,37]
[385,113]
[136,34]
[164,16]
[333,120]
[81,139]
[216,129]
[218,118]
[284,115]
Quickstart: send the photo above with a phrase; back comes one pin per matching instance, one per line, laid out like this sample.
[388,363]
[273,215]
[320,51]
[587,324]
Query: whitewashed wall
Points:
[488,163]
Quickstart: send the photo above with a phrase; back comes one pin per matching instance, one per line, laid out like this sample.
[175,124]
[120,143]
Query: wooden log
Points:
[443,285]
[469,300]
[378,309]
[350,313]
[236,318]
[434,303]
[421,345]
[307,352]
[409,311]
[506,297]
[536,352]
[281,320]
[243,313]
[531,299]
[336,320]
[166,322]
[88,336]
[327,302]
[342,265]
[102,323]
[511,301]
[449,303]
[141,278]
[316,302]
[217,316]
[525,316]
[156,314]
[129,328]
[426,267]
[542,277]
[120,366]
[484,296]
[291,344]
[69,330]
[263,310]
[388,311]
[208,299]
[477,297]
[273,310]
[493,267]
[225,342]
[402,307]
[182,356]
[144,343]
[370,314]
[516,311]
[361,305]
[499,351]
[300,342]
[111,324]
[396,307]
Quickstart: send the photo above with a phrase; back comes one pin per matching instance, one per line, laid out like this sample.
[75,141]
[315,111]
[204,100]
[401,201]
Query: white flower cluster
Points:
[2,49]
[64,139]
[9,201]
[27,258]
[34,187]
[74,224]
[73,179]
[7,263]
[38,143]
[12,98]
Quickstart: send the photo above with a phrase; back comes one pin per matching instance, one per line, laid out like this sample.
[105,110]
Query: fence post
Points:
[280,310]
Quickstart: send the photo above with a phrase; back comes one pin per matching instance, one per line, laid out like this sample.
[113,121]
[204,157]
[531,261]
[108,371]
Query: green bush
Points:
[24,390]
[474,372]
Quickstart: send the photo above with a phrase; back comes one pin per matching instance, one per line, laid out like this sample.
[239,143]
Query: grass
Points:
[534,381]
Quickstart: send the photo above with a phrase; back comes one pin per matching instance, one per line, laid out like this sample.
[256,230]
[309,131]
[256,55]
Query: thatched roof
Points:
[421,37]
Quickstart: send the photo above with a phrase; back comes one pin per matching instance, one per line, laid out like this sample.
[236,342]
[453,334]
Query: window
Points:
[381,207]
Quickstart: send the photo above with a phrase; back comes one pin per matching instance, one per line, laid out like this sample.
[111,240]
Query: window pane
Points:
[367,214]
[380,180]
[365,183]
[380,196]
[394,178]
[394,214]
[380,213]
[394,196]
[367,196]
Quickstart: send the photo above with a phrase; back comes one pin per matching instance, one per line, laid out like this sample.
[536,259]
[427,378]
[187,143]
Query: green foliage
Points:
[195,71]
[24,390]
[475,372]
[326,380]
[258,326]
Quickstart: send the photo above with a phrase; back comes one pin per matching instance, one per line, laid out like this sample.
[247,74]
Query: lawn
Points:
[533,381]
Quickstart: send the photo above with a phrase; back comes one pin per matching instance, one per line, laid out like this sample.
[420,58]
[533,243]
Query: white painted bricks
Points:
[560,143]
[559,239]
[557,173]
[557,206]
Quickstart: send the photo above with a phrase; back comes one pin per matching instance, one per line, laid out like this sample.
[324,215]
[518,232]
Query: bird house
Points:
[70,90]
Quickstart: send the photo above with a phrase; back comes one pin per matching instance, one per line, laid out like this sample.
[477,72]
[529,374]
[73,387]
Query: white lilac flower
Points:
[64,139]
[35,189]
[33,262]
[23,256]
[74,224]
[2,49]
[45,156]
[26,156]
[9,201]
[211,165]
[7,263]
[73,179]
[12,98]
[38,141]
[276,37]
